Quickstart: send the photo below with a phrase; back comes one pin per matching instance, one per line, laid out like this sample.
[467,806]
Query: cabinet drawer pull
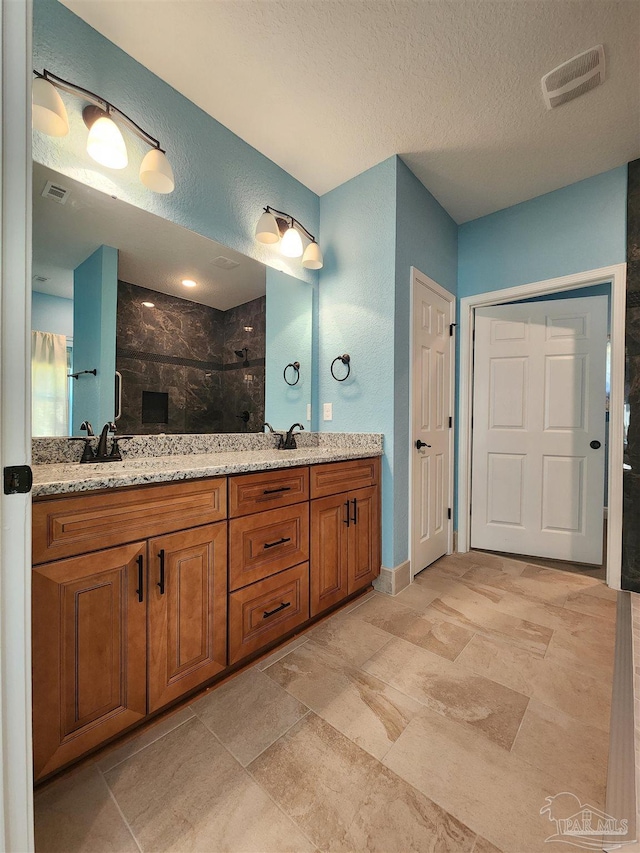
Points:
[347,520]
[275,491]
[160,584]
[355,512]
[283,606]
[140,590]
[279,542]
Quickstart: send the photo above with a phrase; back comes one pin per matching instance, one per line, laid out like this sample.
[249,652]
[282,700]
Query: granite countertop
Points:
[64,477]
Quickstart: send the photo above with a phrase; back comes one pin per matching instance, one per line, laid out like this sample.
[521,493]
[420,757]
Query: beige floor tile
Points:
[563,579]
[417,596]
[592,605]
[490,790]
[344,800]
[453,565]
[365,709]
[283,651]
[589,629]
[437,635]
[537,588]
[248,713]
[586,656]
[497,561]
[458,693]
[186,793]
[348,637]
[601,590]
[76,814]
[149,735]
[582,696]
[484,617]
[574,753]
[484,846]
[464,588]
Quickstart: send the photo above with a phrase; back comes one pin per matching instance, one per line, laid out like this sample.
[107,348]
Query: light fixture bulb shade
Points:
[105,144]
[267,230]
[156,172]
[49,114]
[312,258]
[291,246]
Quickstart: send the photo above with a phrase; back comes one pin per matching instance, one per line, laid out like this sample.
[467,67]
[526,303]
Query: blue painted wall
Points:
[356,299]
[221,182]
[576,228]
[426,238]
[289,330]
[95,301]
[51,314]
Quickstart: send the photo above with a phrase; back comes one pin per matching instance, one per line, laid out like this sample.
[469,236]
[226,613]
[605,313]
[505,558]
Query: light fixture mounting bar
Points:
[96,100]
[269,209]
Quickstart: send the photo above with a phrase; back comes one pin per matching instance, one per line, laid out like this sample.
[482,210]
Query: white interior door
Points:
[431,425]
[539,429]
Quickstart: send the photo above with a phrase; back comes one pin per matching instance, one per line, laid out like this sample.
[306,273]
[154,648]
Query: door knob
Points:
[420,444]
[595,444]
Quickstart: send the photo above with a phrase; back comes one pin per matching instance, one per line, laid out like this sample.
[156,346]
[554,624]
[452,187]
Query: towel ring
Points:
[296,367]
[345,359]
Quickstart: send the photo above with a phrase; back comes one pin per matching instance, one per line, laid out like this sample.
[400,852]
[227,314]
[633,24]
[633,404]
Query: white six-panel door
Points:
[431,393]
[539,429]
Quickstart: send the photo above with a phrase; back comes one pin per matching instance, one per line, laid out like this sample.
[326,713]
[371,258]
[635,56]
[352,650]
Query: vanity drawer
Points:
[261,545]
[271,489]
[334,477]
[65,527]
[261,613]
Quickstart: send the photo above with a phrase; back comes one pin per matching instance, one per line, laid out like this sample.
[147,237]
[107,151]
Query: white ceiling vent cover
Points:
[574,77]
[55,192]
[225,263]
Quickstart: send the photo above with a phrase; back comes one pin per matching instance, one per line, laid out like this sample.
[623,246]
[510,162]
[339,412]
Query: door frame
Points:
[430,284]
[616,275]
[16,776]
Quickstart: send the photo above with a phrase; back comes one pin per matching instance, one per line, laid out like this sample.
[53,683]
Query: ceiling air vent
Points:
[40,279]
[55,192]
[225,263]
[574,77]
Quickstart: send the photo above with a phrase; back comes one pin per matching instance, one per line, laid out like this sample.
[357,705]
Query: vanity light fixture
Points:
[275,226]
[189,282]
[105,143]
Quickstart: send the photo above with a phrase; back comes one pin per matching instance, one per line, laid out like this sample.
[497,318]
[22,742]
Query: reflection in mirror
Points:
[179,329]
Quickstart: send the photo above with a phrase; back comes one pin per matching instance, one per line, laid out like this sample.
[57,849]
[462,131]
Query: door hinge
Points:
[449,513]
[450,422]
[18,480]
[451,328]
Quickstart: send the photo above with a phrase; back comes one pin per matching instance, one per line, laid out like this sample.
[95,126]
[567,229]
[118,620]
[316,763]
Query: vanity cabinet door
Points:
[329,551]
[187,611]
[364,538]
[89,652]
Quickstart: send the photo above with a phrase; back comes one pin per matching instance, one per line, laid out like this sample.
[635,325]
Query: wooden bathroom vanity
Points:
[143,594]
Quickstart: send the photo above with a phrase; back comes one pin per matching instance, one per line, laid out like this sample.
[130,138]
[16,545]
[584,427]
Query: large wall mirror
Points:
[184,335]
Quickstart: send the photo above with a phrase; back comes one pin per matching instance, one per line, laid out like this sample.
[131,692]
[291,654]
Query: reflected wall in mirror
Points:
[109,294]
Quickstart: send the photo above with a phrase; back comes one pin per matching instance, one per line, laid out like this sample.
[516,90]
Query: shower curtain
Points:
[49,384]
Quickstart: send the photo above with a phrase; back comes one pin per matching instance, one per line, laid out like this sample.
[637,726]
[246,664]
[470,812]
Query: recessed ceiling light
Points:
[248,328]
[189,282]
[149,304]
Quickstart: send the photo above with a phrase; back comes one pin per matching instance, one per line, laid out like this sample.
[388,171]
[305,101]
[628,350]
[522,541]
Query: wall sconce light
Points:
[105,143]
[274,226]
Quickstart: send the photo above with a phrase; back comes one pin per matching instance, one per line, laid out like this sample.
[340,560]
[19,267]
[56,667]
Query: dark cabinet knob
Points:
[420,444]
[595,444]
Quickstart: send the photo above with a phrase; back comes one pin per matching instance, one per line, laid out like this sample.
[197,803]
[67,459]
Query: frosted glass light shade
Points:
[49,114]
[267,230]
[156,172]
[312,258]
[105,144]
[291,246]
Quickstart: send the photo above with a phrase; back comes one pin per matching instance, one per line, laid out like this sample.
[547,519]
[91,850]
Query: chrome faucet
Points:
[290,439]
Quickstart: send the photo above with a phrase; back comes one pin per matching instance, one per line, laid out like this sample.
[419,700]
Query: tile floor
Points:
[438,720]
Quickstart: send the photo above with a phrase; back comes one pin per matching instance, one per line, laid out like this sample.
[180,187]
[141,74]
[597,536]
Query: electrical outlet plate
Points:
[308,411]
[327,411]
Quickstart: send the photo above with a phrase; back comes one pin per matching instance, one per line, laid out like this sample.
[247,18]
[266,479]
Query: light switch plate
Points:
[308,411]
[327,411]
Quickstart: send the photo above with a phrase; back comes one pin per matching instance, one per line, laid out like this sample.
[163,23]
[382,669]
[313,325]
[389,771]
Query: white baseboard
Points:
[393,581]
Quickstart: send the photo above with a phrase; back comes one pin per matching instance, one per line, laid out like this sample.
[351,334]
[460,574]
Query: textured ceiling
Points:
[328,88]
[152,252]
